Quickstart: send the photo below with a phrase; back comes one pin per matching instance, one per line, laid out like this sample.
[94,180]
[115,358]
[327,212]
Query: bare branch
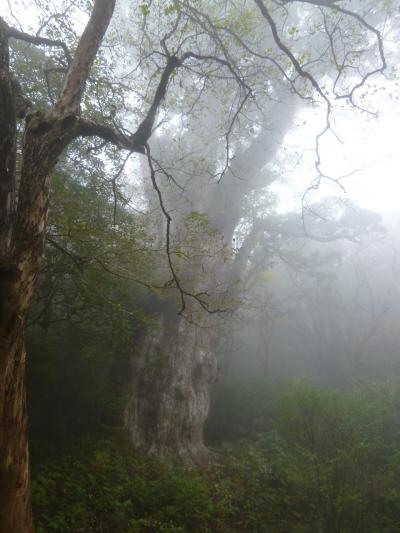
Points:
[221,61]
[54,16]
[268,58]
[381,69]
[303,73]
[37,40]
[199,297]
[114,185]
[168,230]
[333,5]
[228,134]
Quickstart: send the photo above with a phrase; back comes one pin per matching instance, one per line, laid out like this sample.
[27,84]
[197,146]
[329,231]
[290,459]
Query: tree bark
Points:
[170,390]
[17,281]
[22,232]
[15,503]
[15,506]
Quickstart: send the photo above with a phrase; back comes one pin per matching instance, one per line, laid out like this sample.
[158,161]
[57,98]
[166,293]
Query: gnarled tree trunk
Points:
[170,389]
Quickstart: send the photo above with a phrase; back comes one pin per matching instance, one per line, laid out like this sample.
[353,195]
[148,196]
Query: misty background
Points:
[213,343]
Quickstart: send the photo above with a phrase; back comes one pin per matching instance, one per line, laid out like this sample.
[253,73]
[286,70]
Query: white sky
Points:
[369,154]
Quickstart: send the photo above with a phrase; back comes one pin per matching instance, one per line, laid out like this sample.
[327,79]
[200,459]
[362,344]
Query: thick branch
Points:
[37,40]
[84,57]
[138,140]
[87,128]
[46,137]
[144,130]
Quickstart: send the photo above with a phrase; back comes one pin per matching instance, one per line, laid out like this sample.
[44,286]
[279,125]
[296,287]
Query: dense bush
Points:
[330,462]
[105,488]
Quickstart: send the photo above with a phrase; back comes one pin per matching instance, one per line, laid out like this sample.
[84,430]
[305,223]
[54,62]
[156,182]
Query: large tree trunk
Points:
[18,273]
[15,294]
[170,390]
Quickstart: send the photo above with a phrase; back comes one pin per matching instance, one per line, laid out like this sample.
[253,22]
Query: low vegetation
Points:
[293,458]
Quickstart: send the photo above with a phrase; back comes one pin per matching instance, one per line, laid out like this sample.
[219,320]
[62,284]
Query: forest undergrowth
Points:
[287,458]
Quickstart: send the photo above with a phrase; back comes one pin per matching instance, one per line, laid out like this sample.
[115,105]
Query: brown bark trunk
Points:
[15,502]
[170,391]
[21,243]
[17,280]
[18,272]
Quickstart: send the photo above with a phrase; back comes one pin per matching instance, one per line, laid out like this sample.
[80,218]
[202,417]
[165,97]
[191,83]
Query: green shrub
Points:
[329,462]
[106,488]
[240,411]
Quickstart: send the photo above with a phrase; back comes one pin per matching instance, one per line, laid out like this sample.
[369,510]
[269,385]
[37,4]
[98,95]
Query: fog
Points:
[329,310]
[305,220]
[326,309]
[199,265]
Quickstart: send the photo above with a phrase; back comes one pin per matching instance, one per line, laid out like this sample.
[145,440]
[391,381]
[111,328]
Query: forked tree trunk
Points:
[170,390]
[23,219]
[172,379]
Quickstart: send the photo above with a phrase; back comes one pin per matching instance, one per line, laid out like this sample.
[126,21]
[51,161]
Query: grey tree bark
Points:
[169,398]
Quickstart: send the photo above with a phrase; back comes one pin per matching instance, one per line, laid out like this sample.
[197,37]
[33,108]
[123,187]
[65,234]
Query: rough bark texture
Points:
[84,57]
[7,145]
[22,232]
[15,509]
[17,283]
[170,390]
[15,505]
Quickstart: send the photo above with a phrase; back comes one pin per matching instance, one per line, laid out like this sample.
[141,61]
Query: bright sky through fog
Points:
[368,153]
